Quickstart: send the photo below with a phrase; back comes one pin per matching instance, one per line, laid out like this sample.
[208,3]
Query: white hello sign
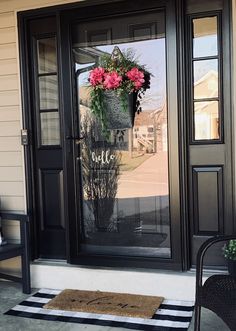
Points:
[103,158]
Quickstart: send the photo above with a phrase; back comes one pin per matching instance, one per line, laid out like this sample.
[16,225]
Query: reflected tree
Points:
[101,163]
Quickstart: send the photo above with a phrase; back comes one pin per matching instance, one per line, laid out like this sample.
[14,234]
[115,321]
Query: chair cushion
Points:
[10,250]
[219,295]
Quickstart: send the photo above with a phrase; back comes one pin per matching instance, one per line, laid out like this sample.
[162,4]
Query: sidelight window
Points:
[206,96]
[49,122]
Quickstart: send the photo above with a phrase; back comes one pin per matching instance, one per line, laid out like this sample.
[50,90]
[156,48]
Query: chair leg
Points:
[25,268]
[197,318]
[25,258]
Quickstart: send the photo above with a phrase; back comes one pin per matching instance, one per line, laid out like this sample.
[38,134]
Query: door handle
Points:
[77,140]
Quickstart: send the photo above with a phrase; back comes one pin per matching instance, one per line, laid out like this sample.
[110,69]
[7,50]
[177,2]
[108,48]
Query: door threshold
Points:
[64,263]
[210,272]
[43,261]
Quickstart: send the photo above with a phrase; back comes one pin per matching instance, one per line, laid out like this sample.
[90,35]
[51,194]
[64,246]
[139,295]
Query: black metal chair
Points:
[218,293]
[11,250]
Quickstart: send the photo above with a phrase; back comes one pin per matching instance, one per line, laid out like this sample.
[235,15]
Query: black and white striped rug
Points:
[172,314]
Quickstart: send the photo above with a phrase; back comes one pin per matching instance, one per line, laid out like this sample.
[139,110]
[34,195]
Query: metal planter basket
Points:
[117,117]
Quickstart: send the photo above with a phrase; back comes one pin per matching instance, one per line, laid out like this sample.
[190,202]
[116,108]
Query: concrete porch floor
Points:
[11,294]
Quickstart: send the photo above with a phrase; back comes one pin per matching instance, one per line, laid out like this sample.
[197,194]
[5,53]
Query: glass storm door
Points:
[125,190]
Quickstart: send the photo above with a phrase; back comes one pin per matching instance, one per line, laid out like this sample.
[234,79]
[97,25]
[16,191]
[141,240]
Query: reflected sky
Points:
[205,46]
[201,68]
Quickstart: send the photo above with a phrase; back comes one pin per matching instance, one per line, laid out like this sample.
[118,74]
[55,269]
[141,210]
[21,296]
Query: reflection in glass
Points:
[48,92]
[47,56]
[205,79]
[205,37]
[206,120]
[50,128]
[125,177]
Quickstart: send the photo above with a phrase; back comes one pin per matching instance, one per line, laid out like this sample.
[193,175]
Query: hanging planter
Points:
[119,115]
[117,86]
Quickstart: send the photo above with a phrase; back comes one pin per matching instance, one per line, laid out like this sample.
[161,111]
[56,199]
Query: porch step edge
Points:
[171,285]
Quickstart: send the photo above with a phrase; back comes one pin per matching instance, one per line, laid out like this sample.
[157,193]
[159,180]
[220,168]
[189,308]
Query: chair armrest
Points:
[21,217]
[23,249]
[201,254]
[24,224]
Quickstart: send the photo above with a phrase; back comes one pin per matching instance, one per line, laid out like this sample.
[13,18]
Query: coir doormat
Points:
[171,315]
[97,302]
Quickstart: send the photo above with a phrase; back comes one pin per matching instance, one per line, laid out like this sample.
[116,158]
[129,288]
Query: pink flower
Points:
[96,76]
[136,76]
[112,80]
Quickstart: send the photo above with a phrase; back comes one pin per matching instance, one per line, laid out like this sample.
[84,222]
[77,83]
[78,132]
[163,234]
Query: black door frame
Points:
[65,14]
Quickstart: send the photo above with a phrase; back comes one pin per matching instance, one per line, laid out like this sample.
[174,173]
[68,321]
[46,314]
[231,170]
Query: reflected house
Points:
[206,113]
[150,131]
[84,94]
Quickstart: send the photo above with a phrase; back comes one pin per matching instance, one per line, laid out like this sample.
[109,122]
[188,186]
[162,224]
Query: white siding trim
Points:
[9,82]
[9,159]
[24,207]
[8,51]
[9,113]
[9,144]
[10,130]
[10,174]
[7,19]
[7,35]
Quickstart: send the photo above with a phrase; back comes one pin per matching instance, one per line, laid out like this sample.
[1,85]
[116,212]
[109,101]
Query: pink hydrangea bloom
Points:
[136,76]
[96,76]
[112,80]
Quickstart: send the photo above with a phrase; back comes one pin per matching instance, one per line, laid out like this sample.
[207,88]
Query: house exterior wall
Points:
[11,160]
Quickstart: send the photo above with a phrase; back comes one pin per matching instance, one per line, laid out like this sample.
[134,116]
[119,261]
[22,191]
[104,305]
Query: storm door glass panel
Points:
[125,181]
